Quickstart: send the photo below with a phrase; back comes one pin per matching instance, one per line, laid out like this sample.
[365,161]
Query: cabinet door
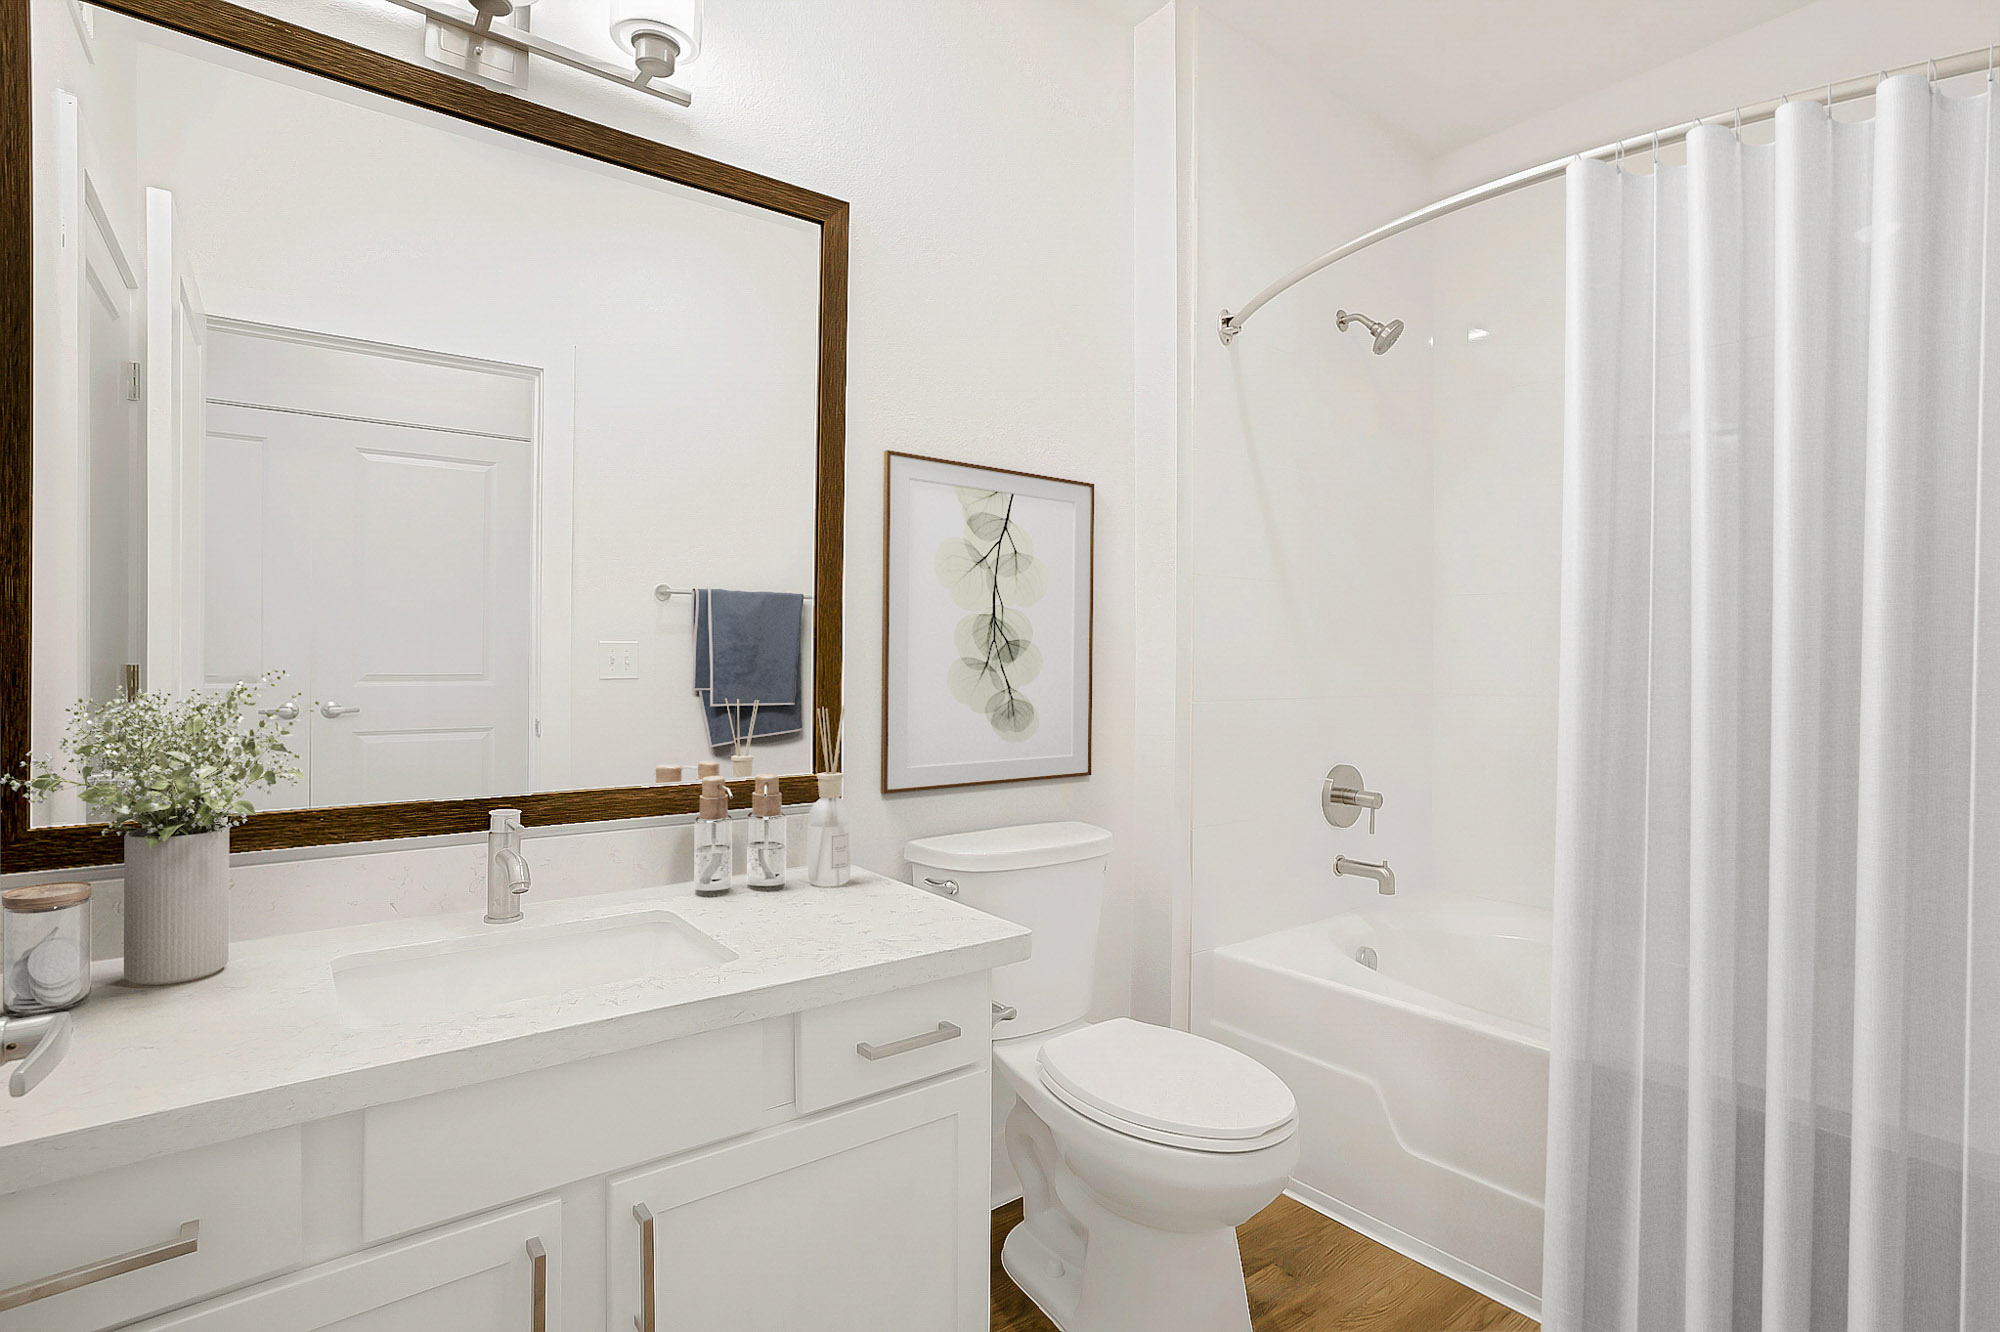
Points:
[499,1273]
[872,1219]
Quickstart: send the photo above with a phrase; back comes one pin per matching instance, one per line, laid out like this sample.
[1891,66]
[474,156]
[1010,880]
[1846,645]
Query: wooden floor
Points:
[1306,1273]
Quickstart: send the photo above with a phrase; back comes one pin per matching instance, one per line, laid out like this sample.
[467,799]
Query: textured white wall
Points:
[1497,438]
[1307,481]
[987,150]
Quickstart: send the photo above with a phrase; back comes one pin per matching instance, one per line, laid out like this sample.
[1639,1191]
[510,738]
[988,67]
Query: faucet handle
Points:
[1343,795]
[504,821]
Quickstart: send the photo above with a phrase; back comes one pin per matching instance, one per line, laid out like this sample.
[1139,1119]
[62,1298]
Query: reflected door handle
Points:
[283,712]
[332,710]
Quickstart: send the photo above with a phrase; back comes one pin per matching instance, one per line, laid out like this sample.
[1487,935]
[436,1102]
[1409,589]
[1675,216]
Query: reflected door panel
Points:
[386,568]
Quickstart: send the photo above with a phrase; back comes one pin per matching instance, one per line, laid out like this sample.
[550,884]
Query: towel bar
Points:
[664,592]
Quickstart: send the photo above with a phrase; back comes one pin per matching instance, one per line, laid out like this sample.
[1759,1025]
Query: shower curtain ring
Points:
[1933,69]
[1656,152]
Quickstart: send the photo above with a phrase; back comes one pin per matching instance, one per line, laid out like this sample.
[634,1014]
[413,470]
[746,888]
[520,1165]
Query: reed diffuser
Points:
[827,863]
[740,736]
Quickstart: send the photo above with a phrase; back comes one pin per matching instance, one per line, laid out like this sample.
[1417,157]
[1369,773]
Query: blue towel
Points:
[746,649]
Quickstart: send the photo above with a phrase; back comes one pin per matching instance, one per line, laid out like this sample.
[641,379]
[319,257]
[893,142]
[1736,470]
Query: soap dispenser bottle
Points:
[714,844]
[826,836]
[767,836]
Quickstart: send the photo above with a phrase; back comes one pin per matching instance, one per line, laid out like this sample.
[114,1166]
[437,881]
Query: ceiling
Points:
[1445,73]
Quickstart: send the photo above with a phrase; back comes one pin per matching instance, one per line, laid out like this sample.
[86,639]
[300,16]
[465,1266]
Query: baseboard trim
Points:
[1492,1287]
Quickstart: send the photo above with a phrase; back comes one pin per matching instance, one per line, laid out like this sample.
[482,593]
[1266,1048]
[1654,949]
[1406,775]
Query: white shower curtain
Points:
[1775,1095]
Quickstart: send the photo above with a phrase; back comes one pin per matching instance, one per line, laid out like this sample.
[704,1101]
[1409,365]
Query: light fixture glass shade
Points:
[679,21]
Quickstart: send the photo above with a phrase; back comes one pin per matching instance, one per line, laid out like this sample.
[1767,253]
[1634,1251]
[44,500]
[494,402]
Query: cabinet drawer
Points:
[865,1046]
[433,1158]
[132,1226]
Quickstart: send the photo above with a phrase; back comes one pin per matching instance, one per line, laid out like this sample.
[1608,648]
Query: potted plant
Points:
[173,776]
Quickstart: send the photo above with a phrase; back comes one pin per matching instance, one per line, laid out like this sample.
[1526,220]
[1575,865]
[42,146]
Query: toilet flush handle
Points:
[1004,1012]
[949,887]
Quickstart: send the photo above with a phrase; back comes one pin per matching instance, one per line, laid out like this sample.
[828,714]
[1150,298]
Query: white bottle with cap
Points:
[827,864]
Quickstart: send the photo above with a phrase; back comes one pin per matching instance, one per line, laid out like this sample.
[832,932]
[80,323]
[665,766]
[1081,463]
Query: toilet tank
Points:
[1046,876]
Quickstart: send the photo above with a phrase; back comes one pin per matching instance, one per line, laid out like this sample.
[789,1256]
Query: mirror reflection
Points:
[428,418]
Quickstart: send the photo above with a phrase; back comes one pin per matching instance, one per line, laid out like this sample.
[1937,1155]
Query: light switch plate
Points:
[617,659]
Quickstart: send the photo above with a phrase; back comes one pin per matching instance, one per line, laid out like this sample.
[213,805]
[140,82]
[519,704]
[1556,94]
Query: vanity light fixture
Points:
[468,39]
[658,34]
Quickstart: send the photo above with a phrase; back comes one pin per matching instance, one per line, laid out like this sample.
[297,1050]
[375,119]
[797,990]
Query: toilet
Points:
[1139,1148]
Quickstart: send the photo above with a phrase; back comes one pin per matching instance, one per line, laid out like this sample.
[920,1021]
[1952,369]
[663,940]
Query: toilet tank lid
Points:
[1029,846]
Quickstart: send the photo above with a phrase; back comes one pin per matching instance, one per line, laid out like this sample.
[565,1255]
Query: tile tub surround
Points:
[264,1044]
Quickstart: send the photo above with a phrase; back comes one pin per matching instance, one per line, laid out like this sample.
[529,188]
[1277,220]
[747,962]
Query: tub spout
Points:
[1385,878]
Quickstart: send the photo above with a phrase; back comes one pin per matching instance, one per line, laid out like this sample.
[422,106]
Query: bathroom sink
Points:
[508,963]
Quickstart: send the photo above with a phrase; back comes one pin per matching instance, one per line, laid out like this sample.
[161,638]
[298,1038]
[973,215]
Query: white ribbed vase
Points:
[176,908]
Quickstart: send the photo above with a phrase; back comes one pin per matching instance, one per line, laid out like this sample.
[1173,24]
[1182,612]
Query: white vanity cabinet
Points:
[870,1219]
[823,1170]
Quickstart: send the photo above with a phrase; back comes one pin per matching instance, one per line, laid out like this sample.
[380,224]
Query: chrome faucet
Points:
[507,875]
[1385,878]
[38,1042]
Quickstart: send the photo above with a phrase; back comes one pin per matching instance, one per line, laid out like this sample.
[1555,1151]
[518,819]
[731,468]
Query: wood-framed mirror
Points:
[423,393]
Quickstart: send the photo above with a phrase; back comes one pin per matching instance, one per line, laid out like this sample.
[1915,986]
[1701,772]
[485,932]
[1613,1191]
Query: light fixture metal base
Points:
[520,39]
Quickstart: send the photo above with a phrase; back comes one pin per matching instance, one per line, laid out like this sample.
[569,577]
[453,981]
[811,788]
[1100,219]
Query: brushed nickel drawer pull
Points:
[538,1257]
[644,1216]
[28,1292]
[946,1031]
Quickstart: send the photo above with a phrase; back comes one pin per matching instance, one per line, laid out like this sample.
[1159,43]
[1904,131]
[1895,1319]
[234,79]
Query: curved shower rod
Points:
[1967,62]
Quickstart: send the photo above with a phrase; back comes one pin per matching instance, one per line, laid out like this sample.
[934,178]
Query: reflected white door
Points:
[388,570]
[176,402]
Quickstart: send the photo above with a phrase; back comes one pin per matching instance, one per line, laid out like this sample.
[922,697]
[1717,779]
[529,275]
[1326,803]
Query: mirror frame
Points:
[23,848]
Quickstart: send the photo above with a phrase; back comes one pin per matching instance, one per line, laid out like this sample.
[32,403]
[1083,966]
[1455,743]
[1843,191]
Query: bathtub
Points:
[1422,1080]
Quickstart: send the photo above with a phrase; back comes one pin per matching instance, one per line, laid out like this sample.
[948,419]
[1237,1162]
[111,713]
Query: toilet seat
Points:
[1166,1086]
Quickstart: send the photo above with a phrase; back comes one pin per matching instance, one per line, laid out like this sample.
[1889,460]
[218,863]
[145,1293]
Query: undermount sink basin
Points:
[509,963]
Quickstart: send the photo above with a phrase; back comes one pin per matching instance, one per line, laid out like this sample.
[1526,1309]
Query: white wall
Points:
[1497,438]
[1307,480]
[987,150]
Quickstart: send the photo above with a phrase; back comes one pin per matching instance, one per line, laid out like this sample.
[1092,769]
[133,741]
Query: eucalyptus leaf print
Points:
[991,571]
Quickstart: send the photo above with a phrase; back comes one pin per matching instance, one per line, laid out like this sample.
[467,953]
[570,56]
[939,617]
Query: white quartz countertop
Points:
[266,1043]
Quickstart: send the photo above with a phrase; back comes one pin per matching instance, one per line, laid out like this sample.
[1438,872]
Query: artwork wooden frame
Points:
[977,689]
[25,848]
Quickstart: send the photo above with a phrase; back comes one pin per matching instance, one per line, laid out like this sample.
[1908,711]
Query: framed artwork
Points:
[986,639]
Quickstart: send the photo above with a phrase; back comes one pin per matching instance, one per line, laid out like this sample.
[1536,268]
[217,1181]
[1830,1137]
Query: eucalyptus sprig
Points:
[158,766]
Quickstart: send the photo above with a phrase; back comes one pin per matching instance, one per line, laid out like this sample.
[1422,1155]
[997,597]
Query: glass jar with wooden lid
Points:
[44,947]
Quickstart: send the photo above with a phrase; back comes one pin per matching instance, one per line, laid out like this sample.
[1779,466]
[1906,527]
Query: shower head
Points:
[1385,334]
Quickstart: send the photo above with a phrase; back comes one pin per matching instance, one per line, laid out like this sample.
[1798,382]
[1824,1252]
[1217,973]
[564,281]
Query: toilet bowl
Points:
[1139,1148]
[1139,1154]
